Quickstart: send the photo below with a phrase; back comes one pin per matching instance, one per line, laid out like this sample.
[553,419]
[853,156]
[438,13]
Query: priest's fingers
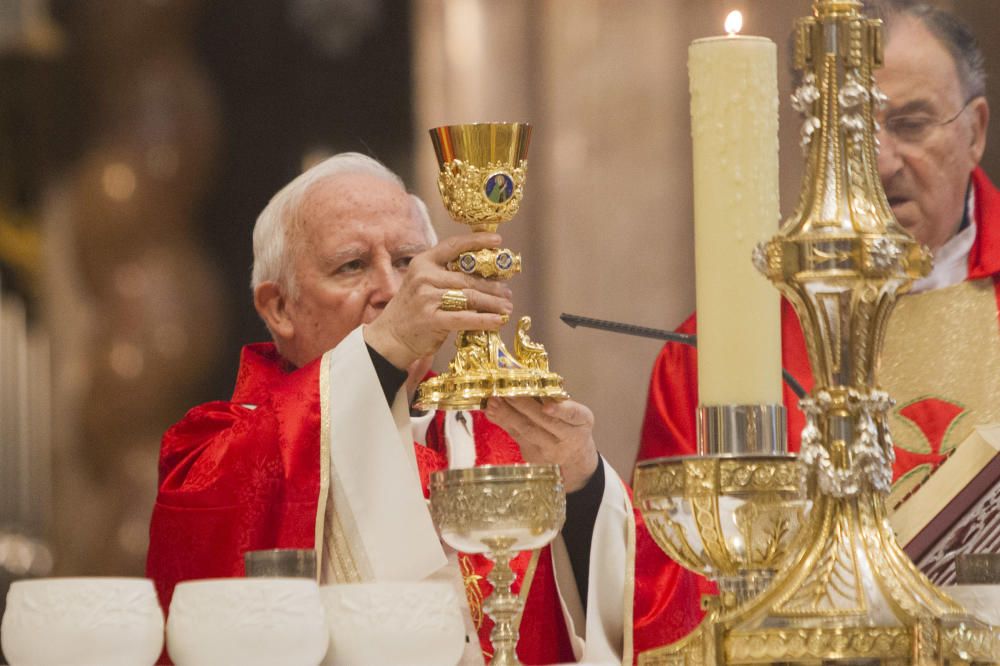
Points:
[568,412]
[458,300]
[470,321]
[526,431]
[445,279]
[562,418]
[563,436]
[426,280]
[450,248]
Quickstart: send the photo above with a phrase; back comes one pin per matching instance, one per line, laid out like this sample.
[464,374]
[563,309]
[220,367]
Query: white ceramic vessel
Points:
[247,621]
[82,622]
[403,624]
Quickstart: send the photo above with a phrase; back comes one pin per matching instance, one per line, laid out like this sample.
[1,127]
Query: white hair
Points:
[275,224]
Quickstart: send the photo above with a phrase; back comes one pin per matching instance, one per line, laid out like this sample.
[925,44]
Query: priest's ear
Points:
[271,302]
[979,109]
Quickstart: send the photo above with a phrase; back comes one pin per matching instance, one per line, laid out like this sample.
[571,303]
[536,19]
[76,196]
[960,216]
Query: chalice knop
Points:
[497,511]
[481,181]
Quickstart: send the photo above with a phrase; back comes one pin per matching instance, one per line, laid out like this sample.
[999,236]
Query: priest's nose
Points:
[385,283]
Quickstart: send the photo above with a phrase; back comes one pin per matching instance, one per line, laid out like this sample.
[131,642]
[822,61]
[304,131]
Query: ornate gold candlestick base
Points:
[498,510]
[483,168]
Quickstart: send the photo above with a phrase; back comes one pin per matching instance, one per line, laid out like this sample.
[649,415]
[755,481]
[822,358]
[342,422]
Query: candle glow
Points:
[734,22]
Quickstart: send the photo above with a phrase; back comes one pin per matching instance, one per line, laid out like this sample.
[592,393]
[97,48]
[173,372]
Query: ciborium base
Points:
[483,368]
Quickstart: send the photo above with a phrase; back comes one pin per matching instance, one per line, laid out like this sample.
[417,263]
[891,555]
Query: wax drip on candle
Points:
[734,22]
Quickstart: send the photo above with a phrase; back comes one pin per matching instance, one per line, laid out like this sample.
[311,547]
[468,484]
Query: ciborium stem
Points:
[503,606]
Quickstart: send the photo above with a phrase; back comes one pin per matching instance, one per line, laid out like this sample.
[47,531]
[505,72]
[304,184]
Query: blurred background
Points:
[140,138]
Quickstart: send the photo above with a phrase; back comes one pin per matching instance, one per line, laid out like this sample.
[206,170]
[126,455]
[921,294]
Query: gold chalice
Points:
[497,511]
[481,181]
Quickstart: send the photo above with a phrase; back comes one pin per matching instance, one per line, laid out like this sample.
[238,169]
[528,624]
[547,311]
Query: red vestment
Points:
[245,475]
[669,423]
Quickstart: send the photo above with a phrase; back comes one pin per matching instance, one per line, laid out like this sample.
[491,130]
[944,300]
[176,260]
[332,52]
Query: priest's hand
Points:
[550,432]
[413,324]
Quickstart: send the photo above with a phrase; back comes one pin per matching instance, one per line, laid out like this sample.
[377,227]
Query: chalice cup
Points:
[481,180]
[498,511]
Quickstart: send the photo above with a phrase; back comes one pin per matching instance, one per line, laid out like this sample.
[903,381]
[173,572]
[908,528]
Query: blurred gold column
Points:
[134,304]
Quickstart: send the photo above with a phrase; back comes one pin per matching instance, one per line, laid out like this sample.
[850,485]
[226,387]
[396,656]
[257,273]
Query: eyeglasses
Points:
[915,128]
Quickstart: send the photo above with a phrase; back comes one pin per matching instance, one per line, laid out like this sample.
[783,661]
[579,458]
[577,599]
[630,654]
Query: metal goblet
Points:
[497,511]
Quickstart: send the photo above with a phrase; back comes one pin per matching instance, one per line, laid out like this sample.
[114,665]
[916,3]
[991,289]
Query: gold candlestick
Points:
[847,593]
[483,168]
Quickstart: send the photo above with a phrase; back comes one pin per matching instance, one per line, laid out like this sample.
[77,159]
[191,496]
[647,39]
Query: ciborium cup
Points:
[481,180]
[498,511]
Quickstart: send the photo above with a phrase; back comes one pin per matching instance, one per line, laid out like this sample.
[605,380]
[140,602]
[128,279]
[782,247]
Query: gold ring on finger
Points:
[454,300]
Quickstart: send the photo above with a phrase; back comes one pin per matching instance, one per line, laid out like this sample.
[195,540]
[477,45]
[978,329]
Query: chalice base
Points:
[484,368]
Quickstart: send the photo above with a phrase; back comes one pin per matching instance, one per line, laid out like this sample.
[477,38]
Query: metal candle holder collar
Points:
[844,591]
[498,510]
[483,168]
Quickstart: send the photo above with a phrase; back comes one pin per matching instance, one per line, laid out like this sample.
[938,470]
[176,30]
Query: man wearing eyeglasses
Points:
[941,360]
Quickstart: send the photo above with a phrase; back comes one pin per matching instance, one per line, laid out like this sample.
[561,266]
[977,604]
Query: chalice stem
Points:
[503,606]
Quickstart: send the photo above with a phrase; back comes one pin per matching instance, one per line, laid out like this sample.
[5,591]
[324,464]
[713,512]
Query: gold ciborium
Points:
[482,175]
[497,511]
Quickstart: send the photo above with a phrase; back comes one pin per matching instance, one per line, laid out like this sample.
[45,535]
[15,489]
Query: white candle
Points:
[734,124]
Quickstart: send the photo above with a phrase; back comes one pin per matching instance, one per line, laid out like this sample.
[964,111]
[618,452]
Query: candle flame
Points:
[734,22]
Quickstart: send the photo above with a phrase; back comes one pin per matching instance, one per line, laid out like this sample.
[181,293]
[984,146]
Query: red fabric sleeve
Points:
[234,479]
[984,258]
[667,602]
[668,428]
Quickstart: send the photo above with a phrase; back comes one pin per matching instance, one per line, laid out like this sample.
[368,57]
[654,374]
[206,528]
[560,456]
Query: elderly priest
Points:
[318,447]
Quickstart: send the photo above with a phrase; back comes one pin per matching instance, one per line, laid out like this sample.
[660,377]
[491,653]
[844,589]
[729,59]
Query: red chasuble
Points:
[245,475]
